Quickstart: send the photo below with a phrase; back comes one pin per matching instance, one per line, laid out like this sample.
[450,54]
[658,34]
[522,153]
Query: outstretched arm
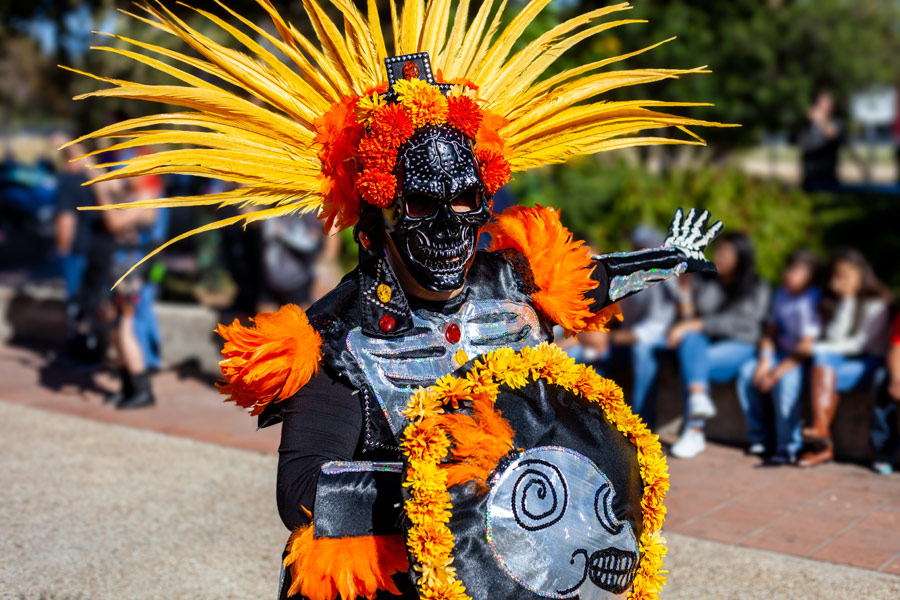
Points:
[622,274]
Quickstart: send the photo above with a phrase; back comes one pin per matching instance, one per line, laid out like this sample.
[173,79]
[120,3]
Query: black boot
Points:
[141,396]
[125,390]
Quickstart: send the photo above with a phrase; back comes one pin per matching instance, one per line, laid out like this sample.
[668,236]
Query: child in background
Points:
[855,317]
[792,327]
[721,321]
[885,429]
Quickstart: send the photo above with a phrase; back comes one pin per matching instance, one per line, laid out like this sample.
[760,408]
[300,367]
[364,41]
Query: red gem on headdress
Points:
[452,333]
[410,70]
[387,323]
[364,240]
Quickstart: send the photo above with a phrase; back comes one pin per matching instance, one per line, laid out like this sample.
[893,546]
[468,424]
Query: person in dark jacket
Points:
[721,320]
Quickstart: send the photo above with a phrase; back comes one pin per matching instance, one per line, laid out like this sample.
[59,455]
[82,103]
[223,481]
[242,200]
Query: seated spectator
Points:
[637,343]
[791,329]
[885,428]
[855,317]
[720,326]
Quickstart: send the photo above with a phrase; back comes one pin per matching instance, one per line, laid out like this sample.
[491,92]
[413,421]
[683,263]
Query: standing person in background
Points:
[150,235]
[792,328]
[72,230]
[119,309]
[294,250]
[720,326]
[820,144]
[855,317]
[885,427]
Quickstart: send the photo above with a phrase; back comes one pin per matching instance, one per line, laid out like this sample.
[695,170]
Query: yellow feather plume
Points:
[265,139]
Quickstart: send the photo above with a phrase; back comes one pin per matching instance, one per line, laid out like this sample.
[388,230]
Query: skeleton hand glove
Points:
[686,234]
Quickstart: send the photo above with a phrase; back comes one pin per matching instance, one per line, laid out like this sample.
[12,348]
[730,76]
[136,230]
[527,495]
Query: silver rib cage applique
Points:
[395,367]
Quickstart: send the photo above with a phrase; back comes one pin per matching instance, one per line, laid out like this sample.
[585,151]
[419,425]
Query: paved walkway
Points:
[93,511]
[837,513]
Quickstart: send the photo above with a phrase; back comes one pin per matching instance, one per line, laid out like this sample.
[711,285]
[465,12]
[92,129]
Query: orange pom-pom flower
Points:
[377,187]
[392,126]
[464,114]
[495,170]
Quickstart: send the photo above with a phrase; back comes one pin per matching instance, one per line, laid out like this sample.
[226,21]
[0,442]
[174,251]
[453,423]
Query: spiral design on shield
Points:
[540,495]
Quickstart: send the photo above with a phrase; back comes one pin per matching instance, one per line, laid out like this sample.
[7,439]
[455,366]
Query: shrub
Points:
[603,202]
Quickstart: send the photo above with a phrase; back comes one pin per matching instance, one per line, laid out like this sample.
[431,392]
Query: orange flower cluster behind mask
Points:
[361,136]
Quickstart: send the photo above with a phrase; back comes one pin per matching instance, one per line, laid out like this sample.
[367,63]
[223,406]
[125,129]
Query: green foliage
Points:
[603,202]
[768,58]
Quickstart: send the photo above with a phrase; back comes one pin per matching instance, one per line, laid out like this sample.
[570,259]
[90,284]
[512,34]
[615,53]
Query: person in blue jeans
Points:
[639,343]
[884,430]
[720,326]
[855,314]
[791,329]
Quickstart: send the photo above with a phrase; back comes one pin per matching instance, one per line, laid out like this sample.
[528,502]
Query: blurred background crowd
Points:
[799,315]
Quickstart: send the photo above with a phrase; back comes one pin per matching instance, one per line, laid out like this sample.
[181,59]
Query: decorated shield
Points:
[528,477]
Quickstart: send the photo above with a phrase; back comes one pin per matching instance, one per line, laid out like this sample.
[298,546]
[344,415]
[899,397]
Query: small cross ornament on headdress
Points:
[411,66]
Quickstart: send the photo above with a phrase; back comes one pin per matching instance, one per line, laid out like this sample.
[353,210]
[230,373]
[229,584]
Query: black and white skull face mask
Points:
[440,207]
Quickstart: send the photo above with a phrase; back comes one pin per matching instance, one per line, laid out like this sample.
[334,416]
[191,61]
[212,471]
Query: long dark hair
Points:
[745,278]
[870,287]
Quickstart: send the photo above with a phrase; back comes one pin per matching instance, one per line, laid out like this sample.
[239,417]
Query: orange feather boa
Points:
[560,265]
[350,567]
[271,361]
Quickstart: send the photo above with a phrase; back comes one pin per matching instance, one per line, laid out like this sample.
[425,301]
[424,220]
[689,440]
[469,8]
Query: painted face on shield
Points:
[550,525]
[440,209]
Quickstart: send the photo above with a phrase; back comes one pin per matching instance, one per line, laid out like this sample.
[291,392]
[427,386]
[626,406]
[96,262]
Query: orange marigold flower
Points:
[392,125]
[424,103]
[464,114]
[425,441]
[430,542]
[377,155]
[452,590]
[377,187]
[495,170]
[452,390]
[428,512]
[422,404]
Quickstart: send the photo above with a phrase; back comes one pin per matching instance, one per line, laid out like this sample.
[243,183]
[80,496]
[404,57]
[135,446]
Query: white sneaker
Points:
[691,443]
[757,449]
[700,406]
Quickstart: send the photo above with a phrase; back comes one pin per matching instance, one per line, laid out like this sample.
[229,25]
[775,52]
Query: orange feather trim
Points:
[350,567]
[479,442]
[560,265]
[271,361]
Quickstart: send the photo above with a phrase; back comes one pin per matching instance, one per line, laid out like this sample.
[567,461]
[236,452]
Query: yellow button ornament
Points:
[384,293]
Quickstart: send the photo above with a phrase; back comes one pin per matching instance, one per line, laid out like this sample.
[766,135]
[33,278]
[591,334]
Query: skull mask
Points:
[440,209]
[551,526]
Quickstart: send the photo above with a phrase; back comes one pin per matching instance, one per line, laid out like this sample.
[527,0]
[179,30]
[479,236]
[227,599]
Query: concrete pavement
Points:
[97,511]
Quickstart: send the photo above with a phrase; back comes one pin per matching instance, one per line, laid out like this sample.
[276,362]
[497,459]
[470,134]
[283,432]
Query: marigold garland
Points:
[430,540]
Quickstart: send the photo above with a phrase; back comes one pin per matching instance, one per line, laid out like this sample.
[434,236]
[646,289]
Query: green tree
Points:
[768,58]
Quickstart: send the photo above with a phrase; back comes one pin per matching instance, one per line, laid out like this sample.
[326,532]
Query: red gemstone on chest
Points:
[387,323]
[452,333]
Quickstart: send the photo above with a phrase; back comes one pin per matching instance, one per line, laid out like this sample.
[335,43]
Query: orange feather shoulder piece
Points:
[349,567]
[560,265]
[270,361]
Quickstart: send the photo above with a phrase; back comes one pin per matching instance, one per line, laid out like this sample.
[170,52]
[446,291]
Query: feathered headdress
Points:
[298,136]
